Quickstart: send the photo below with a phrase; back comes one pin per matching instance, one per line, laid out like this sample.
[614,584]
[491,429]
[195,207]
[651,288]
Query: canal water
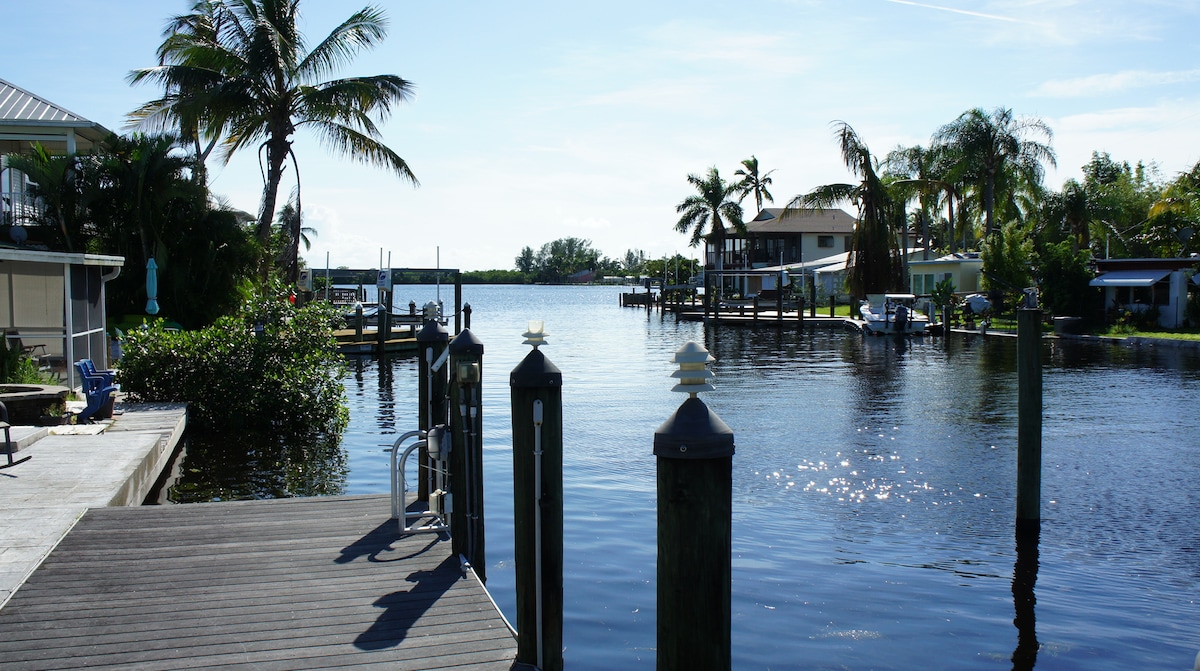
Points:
[873,489]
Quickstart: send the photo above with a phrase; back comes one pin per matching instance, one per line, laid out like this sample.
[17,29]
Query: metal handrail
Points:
[437,473]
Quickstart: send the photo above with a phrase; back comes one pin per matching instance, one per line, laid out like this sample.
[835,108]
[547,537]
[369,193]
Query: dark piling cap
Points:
[432,332]
[466,343]
[693,432]
[535,370]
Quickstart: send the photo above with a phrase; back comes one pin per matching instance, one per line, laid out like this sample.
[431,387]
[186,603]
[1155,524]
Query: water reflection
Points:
[1025,572]
[245,467]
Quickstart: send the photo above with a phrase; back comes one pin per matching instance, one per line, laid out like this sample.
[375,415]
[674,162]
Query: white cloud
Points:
[1112,82]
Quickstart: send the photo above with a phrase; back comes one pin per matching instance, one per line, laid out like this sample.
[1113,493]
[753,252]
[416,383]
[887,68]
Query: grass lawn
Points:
[1126,332]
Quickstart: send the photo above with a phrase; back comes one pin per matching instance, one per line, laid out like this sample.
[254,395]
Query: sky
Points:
[537,120]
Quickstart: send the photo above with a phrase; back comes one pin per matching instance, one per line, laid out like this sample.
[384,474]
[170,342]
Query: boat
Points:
[897,315]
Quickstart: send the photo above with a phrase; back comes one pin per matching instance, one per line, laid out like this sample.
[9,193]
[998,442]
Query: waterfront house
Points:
[963,269]
[775,237]
[1148,285]
[52,302]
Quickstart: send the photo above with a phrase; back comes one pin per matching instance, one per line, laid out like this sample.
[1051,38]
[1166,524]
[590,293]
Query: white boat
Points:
[897,315]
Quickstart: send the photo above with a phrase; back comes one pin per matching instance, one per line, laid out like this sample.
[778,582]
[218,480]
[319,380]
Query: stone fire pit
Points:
[27,402]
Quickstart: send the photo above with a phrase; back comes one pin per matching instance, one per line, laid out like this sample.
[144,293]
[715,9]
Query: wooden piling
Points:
[1029,416]
[695,505]
[536,390]
[431,391]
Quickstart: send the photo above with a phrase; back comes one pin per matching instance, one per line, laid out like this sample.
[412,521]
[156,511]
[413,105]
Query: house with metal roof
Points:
[50,300]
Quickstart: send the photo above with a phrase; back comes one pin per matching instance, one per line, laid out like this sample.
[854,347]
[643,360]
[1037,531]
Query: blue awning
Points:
[1129,278]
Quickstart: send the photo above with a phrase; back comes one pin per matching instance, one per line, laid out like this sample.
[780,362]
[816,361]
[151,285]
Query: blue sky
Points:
[539,120]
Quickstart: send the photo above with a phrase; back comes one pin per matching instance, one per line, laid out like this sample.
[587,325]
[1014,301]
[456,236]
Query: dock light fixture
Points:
[430,310]
[693,374]
[536,334]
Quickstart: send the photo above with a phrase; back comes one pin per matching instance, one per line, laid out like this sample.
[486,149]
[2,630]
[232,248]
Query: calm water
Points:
[873,489]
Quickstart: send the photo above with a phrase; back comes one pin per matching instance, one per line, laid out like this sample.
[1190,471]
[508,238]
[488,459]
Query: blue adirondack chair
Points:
[98,389]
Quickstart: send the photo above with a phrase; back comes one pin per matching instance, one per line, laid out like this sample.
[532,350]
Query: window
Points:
[825,241]
[922,283]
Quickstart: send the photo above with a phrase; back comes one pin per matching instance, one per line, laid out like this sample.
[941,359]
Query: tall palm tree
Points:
[990,145]
[911,171]
[875,264]
[252,80]
[709,209]
[753,182]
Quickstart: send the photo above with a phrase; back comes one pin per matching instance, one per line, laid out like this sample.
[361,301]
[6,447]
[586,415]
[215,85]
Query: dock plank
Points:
[284,584]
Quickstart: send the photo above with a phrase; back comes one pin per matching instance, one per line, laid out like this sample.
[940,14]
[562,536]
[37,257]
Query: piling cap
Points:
[432,332]
[535,370]
[466,343]
[693,432]
[693,374]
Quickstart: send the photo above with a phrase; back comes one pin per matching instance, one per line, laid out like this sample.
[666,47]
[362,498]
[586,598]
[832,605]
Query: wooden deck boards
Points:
[284,584]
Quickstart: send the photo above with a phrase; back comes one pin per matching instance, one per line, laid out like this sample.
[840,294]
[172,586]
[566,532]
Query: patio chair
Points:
[8,446]
[108,376]
[98,389]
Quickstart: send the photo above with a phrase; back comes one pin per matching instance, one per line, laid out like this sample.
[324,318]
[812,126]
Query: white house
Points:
[1143,285]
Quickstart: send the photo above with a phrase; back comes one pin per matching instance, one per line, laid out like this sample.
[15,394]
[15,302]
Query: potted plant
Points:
[55,415]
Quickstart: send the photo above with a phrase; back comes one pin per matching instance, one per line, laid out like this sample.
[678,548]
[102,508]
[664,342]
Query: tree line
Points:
[977,186]
[568,260]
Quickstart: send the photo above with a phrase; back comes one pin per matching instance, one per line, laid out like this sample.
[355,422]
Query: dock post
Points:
[358,321]
[466,457]
[707,296]
[812,295]
[694,450]
[832,305]
[536,389]
[1029,416]
[431,387]
[467,316]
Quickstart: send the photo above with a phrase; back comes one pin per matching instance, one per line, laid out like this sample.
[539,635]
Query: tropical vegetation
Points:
[271,370]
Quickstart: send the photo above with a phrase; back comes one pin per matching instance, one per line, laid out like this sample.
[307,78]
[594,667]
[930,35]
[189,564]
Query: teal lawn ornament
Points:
[152,287]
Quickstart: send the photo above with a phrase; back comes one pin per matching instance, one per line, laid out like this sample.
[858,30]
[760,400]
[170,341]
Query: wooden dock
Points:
[282,584]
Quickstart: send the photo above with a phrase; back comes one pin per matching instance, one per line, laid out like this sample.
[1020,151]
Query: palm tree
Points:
[754,183]
[57,184]
[242,71]
[291,234]
[709,209]
[875,265]
[991,145]
[182,107]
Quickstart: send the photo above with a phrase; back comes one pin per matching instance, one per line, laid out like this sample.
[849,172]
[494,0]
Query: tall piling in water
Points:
[466,456]
[1029,415]
[695,505]
[536,390]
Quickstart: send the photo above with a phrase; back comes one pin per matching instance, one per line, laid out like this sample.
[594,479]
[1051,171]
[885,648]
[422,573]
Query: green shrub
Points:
[271,370]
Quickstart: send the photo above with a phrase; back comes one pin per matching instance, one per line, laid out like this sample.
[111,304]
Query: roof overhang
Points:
[1129,278]
[62,258]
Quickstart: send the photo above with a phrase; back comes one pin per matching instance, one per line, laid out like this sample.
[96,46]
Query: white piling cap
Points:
[693,374]
[536,334]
